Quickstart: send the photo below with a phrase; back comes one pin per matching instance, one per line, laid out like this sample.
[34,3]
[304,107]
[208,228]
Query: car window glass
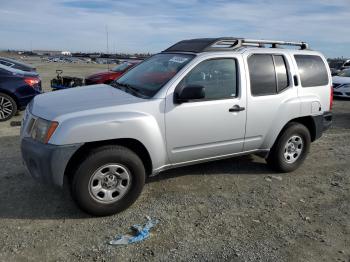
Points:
[121,67]
[312,70]
[262,75]
[151,75]
[281,72]
[6,63]
[217,76]
[345,73]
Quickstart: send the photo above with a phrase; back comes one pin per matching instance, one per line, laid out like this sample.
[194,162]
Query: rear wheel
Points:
[8,107]
[290,149]
[108,181]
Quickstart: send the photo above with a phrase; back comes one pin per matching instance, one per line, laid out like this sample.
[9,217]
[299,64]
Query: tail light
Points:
[331,99]
[32,81]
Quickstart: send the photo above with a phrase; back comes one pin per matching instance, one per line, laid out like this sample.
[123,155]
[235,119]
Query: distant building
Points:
[47,52]
[52,53]
[66,53]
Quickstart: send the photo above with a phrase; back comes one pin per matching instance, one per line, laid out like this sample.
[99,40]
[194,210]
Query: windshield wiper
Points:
[128,87]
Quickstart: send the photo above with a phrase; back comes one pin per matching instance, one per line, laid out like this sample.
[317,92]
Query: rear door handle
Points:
[236,108]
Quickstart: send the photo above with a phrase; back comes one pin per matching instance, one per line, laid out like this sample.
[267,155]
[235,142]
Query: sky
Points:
[152,26]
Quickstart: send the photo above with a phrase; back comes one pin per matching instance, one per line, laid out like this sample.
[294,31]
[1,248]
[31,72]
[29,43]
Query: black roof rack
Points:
[227,44]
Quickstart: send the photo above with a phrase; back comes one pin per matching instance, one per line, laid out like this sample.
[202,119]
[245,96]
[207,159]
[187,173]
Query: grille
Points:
[336,85]
[337,93]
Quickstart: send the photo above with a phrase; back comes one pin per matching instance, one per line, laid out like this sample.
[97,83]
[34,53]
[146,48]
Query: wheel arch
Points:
[307,121]
[132,144]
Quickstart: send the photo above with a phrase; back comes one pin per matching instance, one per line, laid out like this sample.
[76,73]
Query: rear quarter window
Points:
[312,70]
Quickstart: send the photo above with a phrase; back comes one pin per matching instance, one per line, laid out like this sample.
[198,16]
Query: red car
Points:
[109,76]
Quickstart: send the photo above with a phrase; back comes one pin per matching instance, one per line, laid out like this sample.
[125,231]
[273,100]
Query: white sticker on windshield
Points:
[178,59]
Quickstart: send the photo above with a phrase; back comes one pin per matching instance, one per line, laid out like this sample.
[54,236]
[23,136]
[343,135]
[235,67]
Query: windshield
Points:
[120,68]
[150,76]
[344,73]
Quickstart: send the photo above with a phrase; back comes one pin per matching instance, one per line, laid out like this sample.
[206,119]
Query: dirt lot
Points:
[236,210]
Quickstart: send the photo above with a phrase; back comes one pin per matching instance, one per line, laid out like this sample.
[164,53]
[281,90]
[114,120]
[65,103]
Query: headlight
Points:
[43,130]
[346,86]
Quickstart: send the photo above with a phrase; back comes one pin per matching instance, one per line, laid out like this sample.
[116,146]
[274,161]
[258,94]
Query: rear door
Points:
[207,128]
[272,97]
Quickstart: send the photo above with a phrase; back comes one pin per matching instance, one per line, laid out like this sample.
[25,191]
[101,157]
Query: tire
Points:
[94,189]
[8,107]
[290,148]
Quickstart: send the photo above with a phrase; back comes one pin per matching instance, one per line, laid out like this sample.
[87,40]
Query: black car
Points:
[16,64]
[17,89]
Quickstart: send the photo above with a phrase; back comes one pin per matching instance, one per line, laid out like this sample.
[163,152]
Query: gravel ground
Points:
[235,210]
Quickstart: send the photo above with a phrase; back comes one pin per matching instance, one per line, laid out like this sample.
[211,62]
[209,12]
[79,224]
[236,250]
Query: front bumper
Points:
[338,93]
[44,162]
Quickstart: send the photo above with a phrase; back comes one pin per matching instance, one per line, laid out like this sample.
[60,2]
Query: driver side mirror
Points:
[190,92]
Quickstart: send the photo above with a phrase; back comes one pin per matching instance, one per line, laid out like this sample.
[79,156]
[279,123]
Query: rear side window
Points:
[312,70]
[268,74]
[281,72]
[6,63]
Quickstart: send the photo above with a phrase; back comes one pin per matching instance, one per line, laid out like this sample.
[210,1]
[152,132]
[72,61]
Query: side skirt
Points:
[259,152]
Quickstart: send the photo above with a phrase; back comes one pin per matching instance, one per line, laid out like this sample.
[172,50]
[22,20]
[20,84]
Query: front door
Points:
[209,127]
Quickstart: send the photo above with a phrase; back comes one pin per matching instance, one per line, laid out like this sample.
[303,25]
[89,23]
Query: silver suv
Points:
[199,100]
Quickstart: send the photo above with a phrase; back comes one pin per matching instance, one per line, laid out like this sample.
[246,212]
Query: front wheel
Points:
[290,149]
[108,181]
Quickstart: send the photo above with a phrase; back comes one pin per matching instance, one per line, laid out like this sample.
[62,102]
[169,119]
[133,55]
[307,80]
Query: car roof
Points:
[16,62]
[238,45]
[10,69]
[18,71]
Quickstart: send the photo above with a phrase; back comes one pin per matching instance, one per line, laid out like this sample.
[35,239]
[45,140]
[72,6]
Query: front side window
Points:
[217,76]
[312,70]
[151,75]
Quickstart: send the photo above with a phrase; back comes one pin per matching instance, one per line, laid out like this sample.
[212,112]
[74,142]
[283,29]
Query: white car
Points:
[199,100]
[341,84]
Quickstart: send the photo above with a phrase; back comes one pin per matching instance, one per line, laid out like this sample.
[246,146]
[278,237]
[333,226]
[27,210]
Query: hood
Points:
[53,104]
[340,80]
[103,74]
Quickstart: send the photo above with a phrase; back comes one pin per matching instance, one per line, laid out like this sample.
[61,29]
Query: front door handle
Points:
[236,108]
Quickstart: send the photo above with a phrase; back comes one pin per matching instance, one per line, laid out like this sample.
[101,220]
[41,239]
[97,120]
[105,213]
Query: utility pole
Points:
[107,47]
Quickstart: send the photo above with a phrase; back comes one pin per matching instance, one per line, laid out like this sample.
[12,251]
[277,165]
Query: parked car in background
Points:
[335,71]
[17,89]
[16,64]
[341,84]
[346,65]
[109,76]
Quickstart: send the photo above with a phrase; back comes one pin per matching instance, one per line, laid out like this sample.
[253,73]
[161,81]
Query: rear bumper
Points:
[322,123]
[46,163]
[25,100]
